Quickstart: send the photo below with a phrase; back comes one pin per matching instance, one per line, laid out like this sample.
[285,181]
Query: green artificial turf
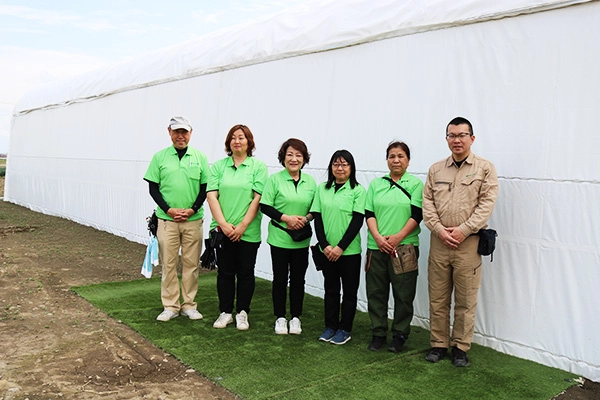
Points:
[258,364]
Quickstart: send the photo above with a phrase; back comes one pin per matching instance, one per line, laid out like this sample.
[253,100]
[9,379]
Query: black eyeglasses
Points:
[452,136]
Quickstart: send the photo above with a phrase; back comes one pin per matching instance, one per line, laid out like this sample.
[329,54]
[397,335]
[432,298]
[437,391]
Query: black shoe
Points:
[459,357]
[377,343]
[397,343]
[436,354]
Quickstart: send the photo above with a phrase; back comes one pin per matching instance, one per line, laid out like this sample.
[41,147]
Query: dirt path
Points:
[55,345]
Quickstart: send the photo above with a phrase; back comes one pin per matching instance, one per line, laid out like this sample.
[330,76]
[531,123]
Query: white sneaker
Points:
[192,313]
[241,321]
[166,315]
[295,326]
[281,326]
[223,320]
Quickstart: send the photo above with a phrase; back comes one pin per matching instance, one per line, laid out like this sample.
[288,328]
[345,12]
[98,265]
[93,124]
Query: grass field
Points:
[257,364]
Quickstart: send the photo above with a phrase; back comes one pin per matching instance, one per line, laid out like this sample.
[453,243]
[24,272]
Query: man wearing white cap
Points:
[177,177]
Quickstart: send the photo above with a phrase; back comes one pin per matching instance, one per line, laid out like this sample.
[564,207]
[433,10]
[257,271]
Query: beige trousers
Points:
[171,237]
[459,271]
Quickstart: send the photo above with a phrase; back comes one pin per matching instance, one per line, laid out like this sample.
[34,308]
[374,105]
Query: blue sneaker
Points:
[327,334]
[340,337]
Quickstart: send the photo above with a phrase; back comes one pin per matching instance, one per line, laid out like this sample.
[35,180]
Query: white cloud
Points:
[50,17]
[53,18]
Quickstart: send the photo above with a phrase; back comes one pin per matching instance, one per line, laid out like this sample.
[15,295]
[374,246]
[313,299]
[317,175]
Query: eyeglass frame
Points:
[337,165]
[462,135]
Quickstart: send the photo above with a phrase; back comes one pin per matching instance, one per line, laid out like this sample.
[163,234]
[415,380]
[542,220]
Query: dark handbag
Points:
[214,242]
[487,242]
[297,235]
[152,223]
[318,257]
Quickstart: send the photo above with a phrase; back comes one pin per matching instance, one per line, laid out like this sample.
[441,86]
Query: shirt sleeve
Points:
[205,169]
[360,197]
[485,202]
[214,177]
[153,171]
[430,214]
[369,202]
[260,177]
[316,204]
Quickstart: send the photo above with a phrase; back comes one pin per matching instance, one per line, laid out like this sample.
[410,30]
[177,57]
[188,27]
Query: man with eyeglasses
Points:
[177,177]
[458,199]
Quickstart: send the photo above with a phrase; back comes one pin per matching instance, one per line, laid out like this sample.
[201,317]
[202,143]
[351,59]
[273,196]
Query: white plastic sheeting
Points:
[356,75]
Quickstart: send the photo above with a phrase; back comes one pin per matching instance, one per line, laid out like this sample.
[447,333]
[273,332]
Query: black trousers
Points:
[292,264]
[344,273]
[236,260]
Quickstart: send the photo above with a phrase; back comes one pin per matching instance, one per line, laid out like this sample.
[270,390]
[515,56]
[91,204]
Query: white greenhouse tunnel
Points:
[357,74]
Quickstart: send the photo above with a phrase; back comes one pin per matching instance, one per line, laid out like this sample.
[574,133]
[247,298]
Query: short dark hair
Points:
[249,138]
[460,121]
[346,156]
[296,144]
[397,144]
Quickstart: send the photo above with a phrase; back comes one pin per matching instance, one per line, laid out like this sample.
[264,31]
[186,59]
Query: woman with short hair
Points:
[286,199]
[234,188]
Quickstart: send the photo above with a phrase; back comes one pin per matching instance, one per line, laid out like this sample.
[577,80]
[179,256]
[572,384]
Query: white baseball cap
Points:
[180,123]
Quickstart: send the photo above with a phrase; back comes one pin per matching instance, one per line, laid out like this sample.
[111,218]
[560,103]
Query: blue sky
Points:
[41,41]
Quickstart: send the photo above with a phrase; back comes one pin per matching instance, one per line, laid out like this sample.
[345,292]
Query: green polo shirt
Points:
[392,208]
[236,187]
[283,195]
[336,210]
[178,180]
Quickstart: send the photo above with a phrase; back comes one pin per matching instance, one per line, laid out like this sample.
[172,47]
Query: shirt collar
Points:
[289,177]
[230,161]
[468,160]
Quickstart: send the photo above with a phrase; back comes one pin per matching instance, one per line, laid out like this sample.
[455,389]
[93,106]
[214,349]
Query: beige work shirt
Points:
[462,197]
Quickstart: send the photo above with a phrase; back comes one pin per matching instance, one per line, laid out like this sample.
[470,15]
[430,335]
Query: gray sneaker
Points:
[167,315]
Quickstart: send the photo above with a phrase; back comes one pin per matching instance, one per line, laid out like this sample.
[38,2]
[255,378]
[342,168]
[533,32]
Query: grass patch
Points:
[257,364]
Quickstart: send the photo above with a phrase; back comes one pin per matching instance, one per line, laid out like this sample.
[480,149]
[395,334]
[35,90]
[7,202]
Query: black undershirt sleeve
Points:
[157,196]
[353,228]
[416,213]
[319,229]
[200,199]
[271,212]
[369,214]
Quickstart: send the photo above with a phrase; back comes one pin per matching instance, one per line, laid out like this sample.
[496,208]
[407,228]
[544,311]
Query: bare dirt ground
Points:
[56,345]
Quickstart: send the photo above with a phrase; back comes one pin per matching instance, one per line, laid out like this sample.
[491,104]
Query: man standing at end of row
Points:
[177,177]
[458,199]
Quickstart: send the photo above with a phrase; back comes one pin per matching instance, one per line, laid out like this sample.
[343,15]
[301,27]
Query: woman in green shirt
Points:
[393,213]
[234,188]
[286,199]
[338,210]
